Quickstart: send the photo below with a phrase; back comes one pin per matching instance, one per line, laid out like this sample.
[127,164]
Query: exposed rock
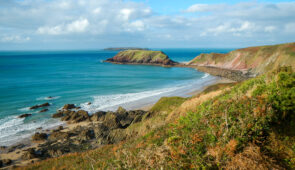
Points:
[98,116]
[43,110]
[6,162]
[39,136]
[29,154]
[110,120]
[86,134]
[89,103]
[58,115]
[41,105]
[121,110]
[24,115]
[69,106]
[54,136]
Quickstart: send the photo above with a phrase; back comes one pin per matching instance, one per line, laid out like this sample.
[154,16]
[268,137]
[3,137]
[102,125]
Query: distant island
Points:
[124,48]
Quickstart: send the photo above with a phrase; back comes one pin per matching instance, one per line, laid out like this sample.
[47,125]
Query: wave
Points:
[25,109]
[111,102]
[205,75]
[48,98]
[14,129]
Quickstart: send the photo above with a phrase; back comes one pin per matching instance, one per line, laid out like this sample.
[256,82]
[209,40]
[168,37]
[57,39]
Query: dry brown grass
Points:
[191,104]
[252,158]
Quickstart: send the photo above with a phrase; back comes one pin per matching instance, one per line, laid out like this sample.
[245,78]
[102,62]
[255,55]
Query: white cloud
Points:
[15,39]
[125,13]
[77,26]
[270,28]
[204,8]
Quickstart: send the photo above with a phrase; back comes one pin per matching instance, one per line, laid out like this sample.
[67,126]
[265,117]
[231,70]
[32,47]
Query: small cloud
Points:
[15,39]
[77,26]
[96,11]
[125,13]
[270,28]
[204,8]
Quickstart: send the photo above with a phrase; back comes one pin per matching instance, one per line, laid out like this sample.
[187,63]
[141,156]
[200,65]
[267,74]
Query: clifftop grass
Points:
[245,126]
[142,56]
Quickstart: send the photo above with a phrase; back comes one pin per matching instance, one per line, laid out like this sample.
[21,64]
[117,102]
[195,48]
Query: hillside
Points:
[141,57]
[229,126]
[253,60]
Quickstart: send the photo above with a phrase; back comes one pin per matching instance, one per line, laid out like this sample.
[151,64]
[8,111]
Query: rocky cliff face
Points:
[141,57]
[251,61]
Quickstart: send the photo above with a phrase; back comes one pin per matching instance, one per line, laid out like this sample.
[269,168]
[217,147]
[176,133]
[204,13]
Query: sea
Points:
[28,78]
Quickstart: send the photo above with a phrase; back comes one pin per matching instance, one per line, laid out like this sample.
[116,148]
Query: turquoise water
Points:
[79,77]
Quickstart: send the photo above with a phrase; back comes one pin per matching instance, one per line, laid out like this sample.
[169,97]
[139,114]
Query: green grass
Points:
[167,104]
[256,115]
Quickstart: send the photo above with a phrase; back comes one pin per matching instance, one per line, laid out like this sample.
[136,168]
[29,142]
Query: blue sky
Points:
[96,24]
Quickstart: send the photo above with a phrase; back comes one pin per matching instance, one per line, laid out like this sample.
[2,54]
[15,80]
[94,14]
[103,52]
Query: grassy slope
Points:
[260,59]
[250,125]
[140,55]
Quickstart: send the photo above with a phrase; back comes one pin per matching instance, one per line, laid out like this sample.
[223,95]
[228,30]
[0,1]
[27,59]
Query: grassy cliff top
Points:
[142,56]
[259,59]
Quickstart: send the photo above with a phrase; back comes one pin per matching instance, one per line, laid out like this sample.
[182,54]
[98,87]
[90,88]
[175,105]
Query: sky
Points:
[96,24]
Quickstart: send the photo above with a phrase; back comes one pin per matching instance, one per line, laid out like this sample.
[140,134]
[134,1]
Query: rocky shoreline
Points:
[83,132]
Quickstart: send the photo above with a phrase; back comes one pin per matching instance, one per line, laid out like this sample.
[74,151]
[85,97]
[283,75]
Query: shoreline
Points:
[20,149]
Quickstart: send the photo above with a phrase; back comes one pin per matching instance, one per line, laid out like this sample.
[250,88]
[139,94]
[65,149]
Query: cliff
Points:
[141,57]
[249,62]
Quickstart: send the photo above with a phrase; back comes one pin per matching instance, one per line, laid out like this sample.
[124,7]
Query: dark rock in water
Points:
[49,97]
[24,115]
[69,106]
[78,108]
[29,154]
[39,136]
[41,105]
[89,103]
[43,110]
[39,128]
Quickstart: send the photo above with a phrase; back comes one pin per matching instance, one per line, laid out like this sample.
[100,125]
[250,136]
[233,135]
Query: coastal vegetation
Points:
[249,125]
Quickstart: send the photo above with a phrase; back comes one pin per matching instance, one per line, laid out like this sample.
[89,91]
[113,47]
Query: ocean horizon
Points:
[79,77]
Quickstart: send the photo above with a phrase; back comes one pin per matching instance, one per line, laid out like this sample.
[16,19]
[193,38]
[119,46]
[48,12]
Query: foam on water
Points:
[13,129]
[48,98]
[25,109]
[205,75]
[112,102]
